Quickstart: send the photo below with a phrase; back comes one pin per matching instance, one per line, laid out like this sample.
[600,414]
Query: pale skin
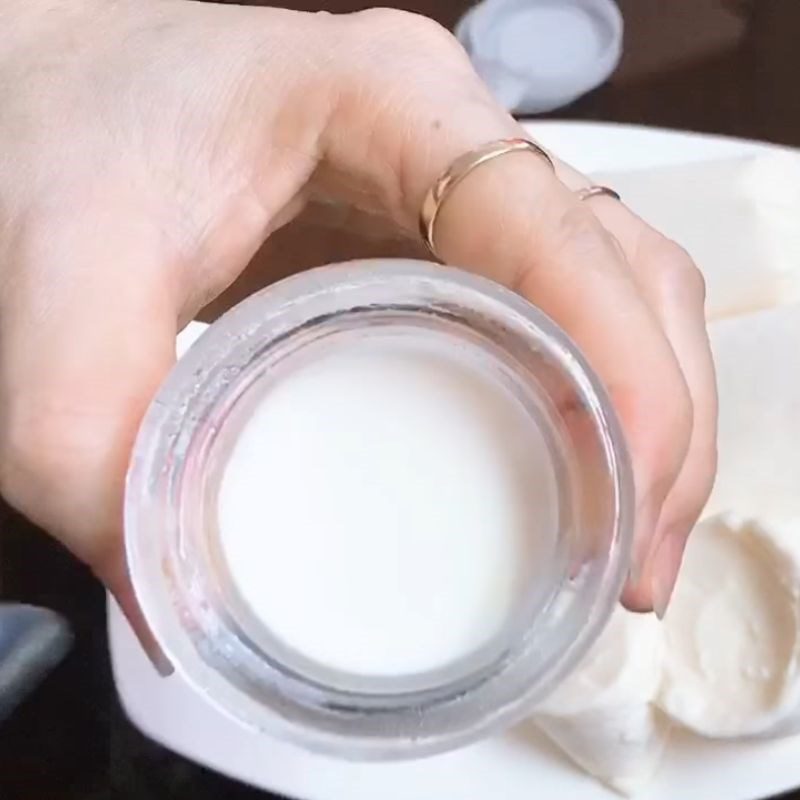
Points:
[151,149]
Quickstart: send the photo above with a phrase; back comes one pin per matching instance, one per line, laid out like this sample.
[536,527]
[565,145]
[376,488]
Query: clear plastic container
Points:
[173,539]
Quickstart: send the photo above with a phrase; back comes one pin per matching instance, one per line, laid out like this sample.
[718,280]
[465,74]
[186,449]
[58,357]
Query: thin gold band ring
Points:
[596,191]
[458,170]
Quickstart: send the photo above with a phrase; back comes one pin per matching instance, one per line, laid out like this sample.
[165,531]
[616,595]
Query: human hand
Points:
[149,148]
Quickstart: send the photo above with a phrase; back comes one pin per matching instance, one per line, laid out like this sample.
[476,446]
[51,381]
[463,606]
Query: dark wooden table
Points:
[729,67]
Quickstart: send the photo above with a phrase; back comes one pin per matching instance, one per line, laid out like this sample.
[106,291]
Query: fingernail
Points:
[125,600]
[662,594]
[160,661]
[667,560]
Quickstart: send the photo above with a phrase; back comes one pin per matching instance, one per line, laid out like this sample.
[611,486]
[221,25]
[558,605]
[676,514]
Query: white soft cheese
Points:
[733,625]
[732,665]
[738,218]
[730,649]
[603,716]
[758,376]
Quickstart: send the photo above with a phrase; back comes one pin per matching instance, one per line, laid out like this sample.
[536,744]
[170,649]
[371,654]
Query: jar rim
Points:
[169,448]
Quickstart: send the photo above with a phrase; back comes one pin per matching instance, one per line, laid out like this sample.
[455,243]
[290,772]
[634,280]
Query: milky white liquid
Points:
[384,508]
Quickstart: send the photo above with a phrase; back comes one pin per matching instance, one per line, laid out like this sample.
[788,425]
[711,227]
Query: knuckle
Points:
[696,281]
[414,33]
[582,229]
[402,24]
[582,240]
[674,266]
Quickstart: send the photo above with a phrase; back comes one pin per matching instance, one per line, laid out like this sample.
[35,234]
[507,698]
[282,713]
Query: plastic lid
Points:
[538,55]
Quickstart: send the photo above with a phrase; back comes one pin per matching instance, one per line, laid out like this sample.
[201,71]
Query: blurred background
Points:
[723,66]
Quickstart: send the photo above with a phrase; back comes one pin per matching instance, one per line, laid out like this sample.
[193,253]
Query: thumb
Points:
[87,332]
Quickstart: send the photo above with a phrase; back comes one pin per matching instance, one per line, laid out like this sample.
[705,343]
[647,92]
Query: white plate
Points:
[520,765]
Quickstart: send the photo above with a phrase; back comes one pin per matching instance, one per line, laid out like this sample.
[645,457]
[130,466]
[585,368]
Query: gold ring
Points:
[459,170]
[596,191]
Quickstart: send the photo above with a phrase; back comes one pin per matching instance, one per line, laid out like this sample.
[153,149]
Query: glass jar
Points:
[173,538]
